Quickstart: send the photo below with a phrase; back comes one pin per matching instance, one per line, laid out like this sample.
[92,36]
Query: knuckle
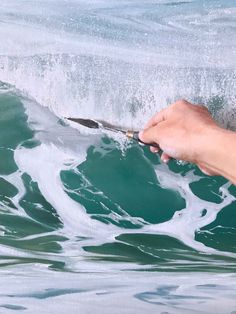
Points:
[180,104]
[204,108]
[183,102]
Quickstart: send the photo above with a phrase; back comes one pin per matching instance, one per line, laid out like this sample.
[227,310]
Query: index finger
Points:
[157,118]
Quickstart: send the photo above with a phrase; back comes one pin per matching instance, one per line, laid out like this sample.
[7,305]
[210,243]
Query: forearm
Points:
[219,153]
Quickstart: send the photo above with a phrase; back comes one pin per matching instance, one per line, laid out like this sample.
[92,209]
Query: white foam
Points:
[126,292]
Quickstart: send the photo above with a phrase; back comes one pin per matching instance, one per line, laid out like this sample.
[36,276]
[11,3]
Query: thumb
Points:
[149,135]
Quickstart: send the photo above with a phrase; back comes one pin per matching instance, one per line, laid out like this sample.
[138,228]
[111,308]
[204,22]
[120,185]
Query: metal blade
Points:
[97,124]
[86,122]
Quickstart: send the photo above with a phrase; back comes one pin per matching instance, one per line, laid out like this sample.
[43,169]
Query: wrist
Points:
[209,140]
[217,152]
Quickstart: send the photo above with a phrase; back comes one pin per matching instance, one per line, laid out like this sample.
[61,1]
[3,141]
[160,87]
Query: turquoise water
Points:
[92,223]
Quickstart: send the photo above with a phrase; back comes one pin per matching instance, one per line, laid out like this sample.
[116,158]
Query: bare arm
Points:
[188,132]
[220,154]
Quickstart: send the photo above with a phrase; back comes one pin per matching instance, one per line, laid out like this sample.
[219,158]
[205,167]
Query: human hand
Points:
[181,131]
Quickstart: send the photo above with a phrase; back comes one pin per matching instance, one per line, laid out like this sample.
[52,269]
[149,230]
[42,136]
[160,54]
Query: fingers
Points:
[154,150]
[157,118]
[165,158]
[149,135]
[207,171]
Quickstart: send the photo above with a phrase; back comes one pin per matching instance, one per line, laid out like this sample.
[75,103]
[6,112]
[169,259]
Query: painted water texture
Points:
[91,222]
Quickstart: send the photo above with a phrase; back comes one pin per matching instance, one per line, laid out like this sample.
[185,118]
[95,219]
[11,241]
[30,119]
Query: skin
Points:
[188,132]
